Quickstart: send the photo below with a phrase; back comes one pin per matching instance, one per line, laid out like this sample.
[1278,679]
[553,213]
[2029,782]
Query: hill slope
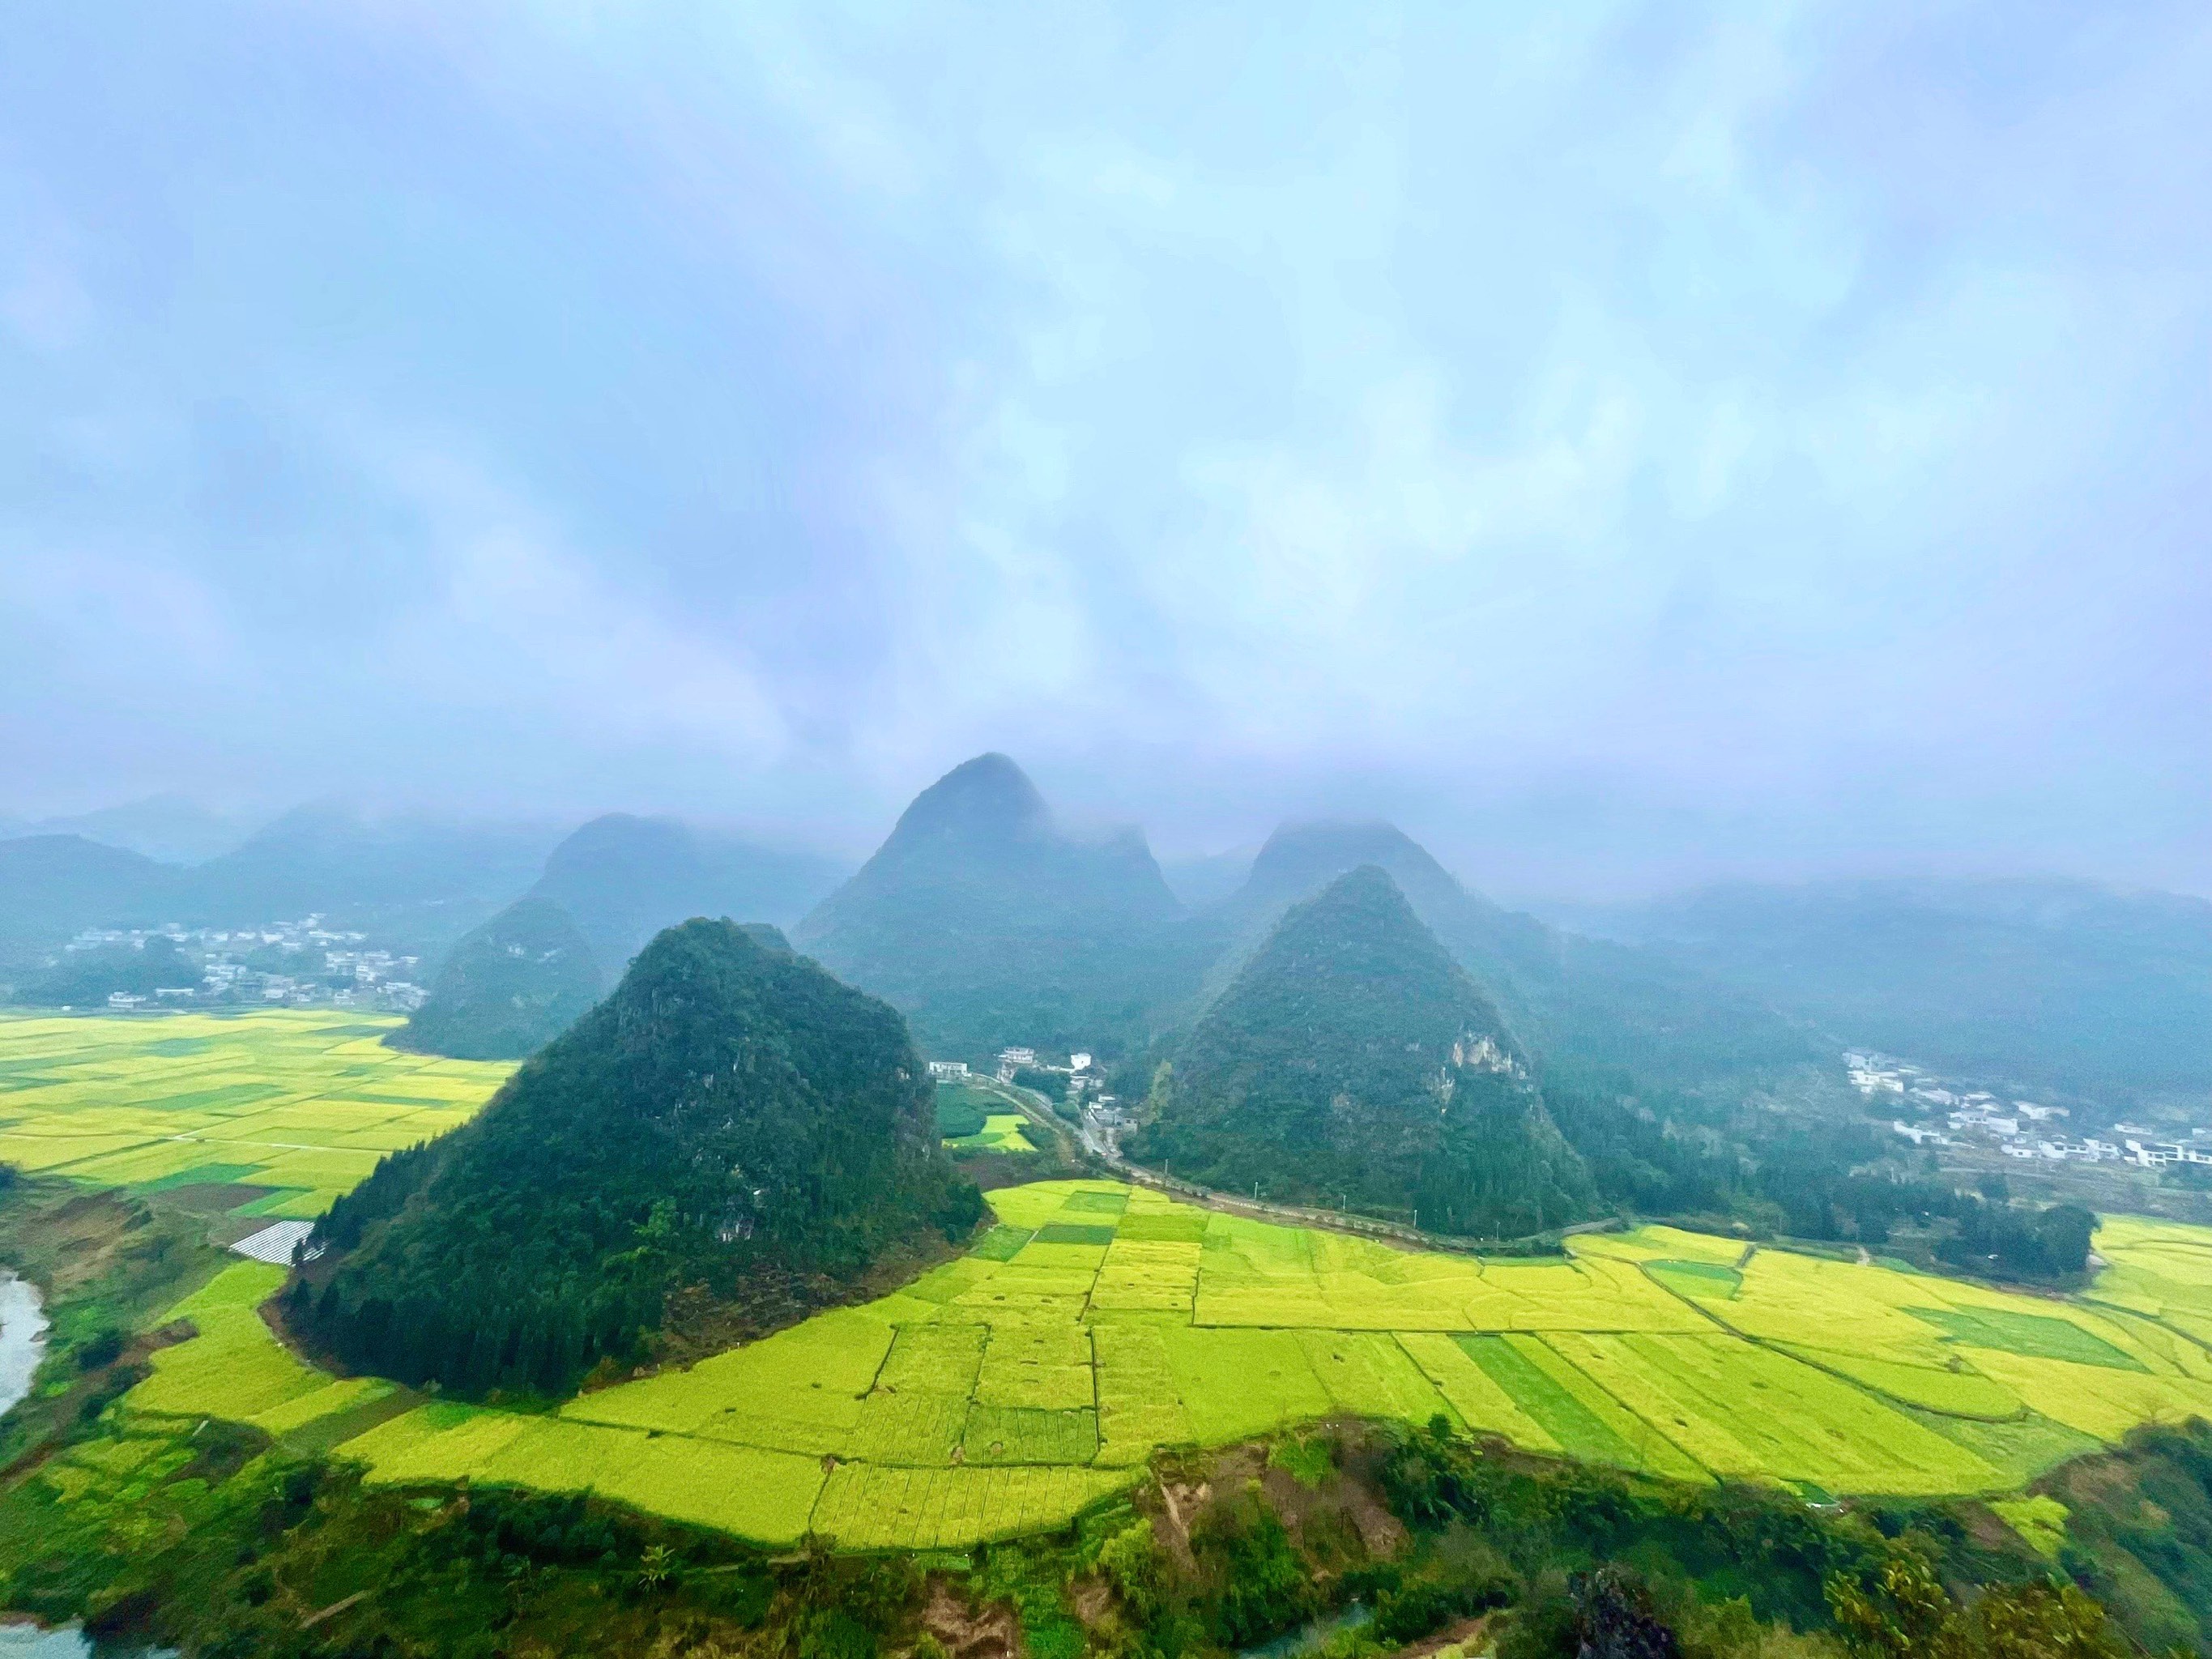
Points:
[2039,983]
[507,989]
[986,923]
[416,880]
[730,1124]
[52,886]
[1572,999]
[1352,1059]
[515,983]
[622,879]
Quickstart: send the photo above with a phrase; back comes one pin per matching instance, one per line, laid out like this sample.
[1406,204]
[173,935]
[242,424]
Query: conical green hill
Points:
[731,1129]
[1351,1061]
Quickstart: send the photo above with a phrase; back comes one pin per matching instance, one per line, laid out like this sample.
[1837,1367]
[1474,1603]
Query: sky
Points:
[1626,445]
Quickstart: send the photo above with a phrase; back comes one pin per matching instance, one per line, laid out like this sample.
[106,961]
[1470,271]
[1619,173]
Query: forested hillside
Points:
[1591,1002]
[1352,1059]
[507,989]
[730,1124]
[622,879]
[2043,984]
[52,885]
[517,981]
[987,923]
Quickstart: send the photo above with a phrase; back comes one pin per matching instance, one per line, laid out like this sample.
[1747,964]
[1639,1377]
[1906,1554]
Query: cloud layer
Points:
[1625,446]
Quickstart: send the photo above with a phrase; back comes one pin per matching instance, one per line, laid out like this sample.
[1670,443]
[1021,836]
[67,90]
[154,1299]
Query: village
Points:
[1949,1117]
[296,964]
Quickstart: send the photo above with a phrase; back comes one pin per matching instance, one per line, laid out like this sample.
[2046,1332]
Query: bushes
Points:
[1260,1586]
[1763,1544]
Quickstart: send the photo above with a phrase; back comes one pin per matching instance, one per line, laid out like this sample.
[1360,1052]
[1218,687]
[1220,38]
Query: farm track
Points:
[1084,1147]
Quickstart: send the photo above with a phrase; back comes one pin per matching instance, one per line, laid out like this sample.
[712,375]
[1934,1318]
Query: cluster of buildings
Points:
[2018,1128]
[1085,1079]
[320,967]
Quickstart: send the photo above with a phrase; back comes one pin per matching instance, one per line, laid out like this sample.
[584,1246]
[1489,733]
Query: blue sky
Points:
[1626,444]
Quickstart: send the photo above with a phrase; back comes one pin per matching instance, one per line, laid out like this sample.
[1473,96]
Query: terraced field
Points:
[1095,1323]
[300,1102]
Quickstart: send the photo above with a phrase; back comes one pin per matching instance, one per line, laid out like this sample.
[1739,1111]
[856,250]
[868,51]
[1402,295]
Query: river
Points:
[22,1345]
[22,1337]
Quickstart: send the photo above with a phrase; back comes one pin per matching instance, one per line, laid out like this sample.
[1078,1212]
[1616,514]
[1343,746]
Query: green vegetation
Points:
[1577,1003]
[85,979]
[732,1126]
[107,1265]
[192,1472]
[1353,1061]
[622,879]
[508,989]
[2048,983]
[286,1110]
[962,1110]
[214,1539]
[2135,1528]
[1097,1325]
[985,924]
[2011,1243]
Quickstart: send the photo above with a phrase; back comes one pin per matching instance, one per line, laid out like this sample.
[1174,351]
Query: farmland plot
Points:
[299,1103]
[1095,1324]
[1006,1390]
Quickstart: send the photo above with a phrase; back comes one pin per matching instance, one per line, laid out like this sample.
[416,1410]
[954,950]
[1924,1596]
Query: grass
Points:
[1095,1324]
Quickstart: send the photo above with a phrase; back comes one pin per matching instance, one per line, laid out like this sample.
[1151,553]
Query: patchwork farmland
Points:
[1094,1324]
[300,1103]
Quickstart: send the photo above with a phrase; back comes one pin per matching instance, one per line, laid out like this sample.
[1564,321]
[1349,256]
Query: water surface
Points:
[22,1343]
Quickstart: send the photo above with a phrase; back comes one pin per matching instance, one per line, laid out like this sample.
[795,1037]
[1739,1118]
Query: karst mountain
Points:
[730,1130]
[987,921]
[1352,1061]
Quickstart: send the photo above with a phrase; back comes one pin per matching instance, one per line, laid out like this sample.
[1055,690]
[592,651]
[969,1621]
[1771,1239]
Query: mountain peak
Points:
[1352,1059]
[1298,856]
[730,1117]
[989,798]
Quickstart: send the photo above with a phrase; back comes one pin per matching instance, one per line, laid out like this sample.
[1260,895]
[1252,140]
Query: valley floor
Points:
[1095,1323]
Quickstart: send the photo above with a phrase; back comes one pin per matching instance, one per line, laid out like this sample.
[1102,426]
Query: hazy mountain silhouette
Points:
[987,923]
[54,886]
[415,879]
[2041,983]
[622,879]
[168,829]
[517,981]
[1571,999]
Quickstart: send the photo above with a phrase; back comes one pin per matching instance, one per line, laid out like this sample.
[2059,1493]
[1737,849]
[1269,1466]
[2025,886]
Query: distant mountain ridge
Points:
[410,877]
[53,886]
[985,922]
[1352,1059]
[1571,998]
[622,878]
[168,829]
[517,981]
[2041,983]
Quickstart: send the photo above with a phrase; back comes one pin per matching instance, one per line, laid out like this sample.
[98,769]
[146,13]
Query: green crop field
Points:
[300,1102]
[1095,1324]
[1006,1390]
